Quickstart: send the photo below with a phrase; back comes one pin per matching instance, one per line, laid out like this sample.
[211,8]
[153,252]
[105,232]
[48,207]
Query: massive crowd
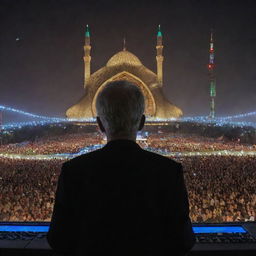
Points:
[220,188]
[72,143]
[69,143]
[27,189]
[188,143]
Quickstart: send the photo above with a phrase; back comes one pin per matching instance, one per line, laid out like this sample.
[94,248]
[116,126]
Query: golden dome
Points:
[123,57]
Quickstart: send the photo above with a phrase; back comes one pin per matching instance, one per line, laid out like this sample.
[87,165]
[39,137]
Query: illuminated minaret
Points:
[159,56]
[87,56]
[211,67]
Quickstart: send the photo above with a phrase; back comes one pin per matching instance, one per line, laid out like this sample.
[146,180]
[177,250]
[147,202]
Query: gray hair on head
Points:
[120,106]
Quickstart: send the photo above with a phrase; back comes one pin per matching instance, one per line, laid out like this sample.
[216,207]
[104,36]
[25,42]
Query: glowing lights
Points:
[159,33]
[211,58]
[66,156]
[217,121]
[62,156]
[34,157]
[213,153]
[238,116]
[197,120]
[58,119]
[9,109]
[87,31]
[212,89]
[211,47]
[46,119]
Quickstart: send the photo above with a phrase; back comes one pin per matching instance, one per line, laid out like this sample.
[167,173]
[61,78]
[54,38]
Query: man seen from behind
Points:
[121,199]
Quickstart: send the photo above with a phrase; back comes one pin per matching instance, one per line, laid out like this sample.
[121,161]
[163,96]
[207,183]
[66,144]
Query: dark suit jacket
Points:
[121,200]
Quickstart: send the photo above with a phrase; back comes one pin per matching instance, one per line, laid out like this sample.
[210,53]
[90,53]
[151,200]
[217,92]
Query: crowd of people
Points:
[220,188]
[69,143]
[190,143]
[72,143]
[27,189]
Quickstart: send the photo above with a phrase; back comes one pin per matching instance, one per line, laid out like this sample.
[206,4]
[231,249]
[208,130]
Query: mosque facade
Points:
[124,65]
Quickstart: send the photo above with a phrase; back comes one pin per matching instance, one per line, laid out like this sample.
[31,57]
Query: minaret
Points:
[211,68]
[159,56]
[87,56]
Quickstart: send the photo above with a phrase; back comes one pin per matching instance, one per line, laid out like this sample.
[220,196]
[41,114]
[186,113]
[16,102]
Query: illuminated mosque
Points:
[124,65]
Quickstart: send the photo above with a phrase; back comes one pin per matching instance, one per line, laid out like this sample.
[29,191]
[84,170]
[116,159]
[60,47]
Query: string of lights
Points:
[18,111]
[47,118]
[217,121]
[12,126]
[238,116]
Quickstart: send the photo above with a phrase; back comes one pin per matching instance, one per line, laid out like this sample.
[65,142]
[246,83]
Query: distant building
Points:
[125,66]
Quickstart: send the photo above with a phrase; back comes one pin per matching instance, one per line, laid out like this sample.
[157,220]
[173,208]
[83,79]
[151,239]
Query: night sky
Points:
[41,50]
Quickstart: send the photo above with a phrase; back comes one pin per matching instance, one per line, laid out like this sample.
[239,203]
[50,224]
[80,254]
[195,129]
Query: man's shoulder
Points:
[79,160]
[161,159]
[96,158]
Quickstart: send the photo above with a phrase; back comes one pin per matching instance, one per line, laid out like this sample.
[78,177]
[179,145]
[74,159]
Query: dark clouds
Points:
[43,71]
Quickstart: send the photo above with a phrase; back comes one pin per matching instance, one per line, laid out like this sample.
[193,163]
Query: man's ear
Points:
[142,122]
[102,128]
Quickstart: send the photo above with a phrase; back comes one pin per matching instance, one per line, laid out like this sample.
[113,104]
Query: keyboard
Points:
[22,235]
[213,237]
[200,238]
[220,238]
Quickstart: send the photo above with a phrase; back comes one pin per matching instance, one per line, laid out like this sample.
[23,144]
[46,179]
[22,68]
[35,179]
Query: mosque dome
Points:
[124,65]
[123,57]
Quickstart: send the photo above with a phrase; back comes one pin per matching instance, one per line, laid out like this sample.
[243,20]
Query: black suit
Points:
[121,200]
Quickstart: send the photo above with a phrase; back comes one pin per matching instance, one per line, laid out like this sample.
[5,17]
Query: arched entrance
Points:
[150,106]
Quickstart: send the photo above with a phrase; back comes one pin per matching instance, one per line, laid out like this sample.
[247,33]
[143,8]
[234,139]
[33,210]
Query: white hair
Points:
[120,106]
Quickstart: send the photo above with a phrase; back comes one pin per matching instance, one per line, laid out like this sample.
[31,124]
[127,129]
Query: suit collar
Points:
[121,144]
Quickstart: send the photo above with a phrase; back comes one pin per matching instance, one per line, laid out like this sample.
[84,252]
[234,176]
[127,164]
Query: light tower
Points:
[159,56]
[211,69]
[87,56]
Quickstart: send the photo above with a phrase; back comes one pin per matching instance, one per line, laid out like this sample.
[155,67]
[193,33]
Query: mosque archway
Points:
[150,106]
